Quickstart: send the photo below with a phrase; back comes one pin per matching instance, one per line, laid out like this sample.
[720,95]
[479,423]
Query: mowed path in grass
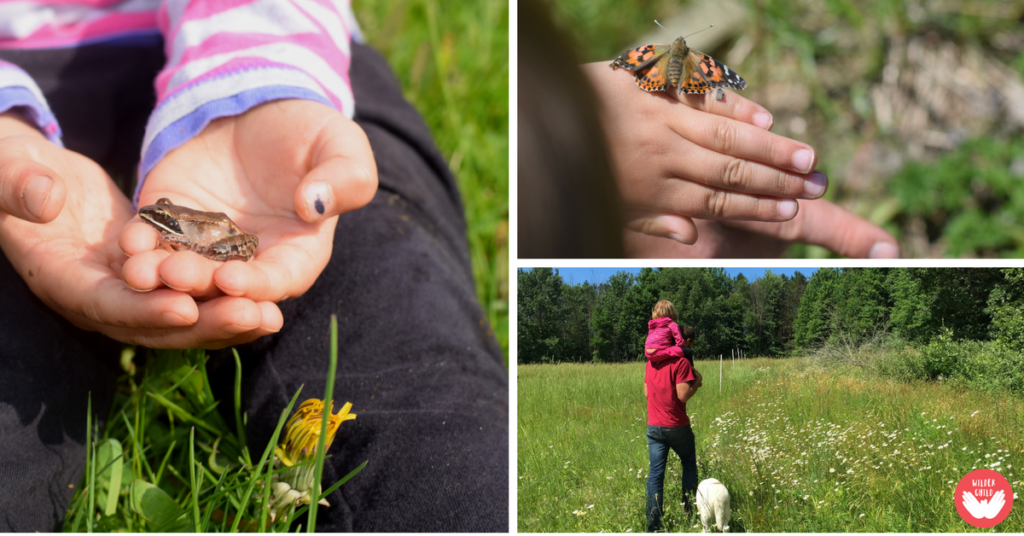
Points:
[800,449]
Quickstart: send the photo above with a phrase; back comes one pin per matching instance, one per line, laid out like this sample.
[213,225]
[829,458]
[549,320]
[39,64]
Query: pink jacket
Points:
[663,333]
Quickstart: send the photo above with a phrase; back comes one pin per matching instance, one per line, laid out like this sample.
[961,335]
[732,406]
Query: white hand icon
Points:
[971,504]
[986,509]
[995,504]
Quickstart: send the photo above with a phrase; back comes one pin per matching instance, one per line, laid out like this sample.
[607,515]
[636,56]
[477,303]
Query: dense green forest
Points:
[933,311]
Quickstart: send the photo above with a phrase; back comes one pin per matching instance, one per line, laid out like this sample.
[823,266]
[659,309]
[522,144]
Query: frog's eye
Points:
[165,221]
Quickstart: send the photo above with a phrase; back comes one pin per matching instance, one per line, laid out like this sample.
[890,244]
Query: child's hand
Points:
[266,169]
[819,222]
[691,156]
[70,259]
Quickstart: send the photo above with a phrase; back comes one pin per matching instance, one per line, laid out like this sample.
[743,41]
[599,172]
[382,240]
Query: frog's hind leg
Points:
[233,248]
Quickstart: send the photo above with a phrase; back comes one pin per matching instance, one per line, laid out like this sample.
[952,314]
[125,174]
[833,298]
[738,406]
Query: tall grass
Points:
[167,462]
[452,61]
[800,448]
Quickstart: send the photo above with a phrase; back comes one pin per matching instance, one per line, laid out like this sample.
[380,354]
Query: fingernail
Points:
[318,198]
[174,320]
[815,184]
[764,120]
[137,289]
[679,238]
[787,209]
[234,329]
[172,287]
[884,250]
[36,194]
[802,160]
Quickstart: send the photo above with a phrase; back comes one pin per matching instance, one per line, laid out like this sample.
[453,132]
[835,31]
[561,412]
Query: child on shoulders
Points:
[664,338]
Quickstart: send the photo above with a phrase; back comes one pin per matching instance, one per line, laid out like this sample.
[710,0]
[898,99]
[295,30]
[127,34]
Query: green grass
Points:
[800,448]
[452,61]
[167,462]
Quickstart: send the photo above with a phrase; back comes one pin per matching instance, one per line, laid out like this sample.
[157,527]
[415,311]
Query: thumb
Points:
[29,190]
[826,224]
[678,228]
[343,175]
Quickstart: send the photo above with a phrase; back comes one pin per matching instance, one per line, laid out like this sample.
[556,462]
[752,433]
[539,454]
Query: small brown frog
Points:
[210,234]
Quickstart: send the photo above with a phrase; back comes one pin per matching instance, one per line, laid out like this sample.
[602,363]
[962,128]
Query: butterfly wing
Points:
[639,57]
[706,72]
[654,77]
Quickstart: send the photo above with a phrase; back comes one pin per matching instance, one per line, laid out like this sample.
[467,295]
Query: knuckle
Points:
[718,202]
[724,136]
[648,227]
[90,311]
[783,183]
[734,174]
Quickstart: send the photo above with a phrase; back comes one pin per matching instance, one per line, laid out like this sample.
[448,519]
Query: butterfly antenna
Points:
[698,31]
[659,24]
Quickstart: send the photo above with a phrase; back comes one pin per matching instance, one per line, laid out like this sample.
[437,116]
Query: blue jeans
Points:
[659,441]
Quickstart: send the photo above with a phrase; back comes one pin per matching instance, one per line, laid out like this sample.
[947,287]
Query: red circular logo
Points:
[983,498]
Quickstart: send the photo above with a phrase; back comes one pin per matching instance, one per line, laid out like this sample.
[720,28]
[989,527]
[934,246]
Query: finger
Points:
[223,321]
[29,190]
[732,106]
[281,272]
[738,174]
[708,203]
[343,175]
[141,272]
[138,236]
[106,301]
[734,138]
[828,225]
[678,228]
[189,272]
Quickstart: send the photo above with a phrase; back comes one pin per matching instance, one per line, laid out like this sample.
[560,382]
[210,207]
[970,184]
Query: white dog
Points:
[713,504]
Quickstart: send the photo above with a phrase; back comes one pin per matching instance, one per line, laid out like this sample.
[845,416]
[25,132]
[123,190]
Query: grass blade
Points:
[163,464]
[192,477]
[321,445]
[263,459]
[239,425]
[117,467]
[182,414]
[211,503]
[331,489]
[90,466]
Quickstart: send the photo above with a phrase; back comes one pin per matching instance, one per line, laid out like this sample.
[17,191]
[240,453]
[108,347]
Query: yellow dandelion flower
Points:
[292,486]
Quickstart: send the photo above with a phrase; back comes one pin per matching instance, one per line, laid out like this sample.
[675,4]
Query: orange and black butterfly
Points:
[658,67]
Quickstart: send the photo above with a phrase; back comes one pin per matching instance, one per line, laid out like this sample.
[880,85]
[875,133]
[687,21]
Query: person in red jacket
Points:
[664,338]
[668,385]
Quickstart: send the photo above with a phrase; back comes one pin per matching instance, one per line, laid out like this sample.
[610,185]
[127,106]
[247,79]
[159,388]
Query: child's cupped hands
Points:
[680,157]
[283,171]
[60,215]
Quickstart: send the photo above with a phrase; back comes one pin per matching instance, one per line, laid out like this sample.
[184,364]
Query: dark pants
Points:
[416,355]
[659,441]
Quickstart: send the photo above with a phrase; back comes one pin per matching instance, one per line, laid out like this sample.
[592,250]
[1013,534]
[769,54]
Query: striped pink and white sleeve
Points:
[19,92]
[50,24]
[227,56]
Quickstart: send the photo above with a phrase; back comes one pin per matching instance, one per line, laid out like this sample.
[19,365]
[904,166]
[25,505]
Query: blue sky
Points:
[596,276]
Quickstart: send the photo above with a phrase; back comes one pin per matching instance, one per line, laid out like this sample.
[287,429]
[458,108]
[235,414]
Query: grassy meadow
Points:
[800,448]
[452,61]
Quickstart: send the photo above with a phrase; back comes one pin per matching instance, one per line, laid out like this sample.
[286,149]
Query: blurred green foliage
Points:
[972,197]
[452,61]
